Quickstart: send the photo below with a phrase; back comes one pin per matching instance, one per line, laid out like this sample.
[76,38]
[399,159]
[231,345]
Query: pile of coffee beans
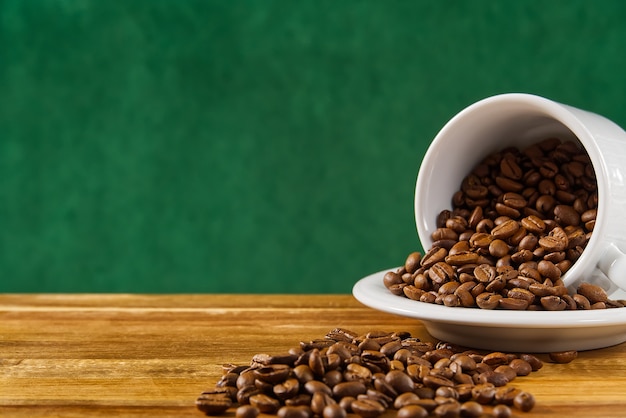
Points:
[519,221]
[348,373]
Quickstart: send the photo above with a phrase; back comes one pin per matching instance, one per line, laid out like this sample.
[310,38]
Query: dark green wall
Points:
[255,146]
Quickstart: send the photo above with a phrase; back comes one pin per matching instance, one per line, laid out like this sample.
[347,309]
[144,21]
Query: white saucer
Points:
[512,331]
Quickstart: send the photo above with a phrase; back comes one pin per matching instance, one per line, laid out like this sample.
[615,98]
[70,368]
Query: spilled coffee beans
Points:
[367,375]
[519,221]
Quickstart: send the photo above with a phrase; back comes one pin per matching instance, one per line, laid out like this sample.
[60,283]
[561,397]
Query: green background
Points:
[255,146]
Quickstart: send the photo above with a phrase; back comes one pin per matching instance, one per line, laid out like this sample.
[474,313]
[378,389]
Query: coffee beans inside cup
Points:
[520,219]
[368,374]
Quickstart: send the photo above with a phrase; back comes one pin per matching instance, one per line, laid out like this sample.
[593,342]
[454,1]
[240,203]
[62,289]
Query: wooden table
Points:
[139,355]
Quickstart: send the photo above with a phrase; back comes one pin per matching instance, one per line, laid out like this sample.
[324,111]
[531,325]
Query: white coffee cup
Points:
[520,120]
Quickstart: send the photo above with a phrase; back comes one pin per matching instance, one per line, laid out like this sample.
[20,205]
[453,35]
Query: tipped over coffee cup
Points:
[573,176]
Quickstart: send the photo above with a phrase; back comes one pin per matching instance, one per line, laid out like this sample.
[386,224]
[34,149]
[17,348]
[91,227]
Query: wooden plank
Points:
[143,355]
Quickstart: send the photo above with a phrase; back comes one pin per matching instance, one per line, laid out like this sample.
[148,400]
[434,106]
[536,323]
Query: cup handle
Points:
[613,265]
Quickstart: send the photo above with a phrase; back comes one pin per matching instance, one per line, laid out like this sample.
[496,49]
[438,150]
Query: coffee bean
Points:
[412,262]
[392,278]
[566,215]
[513,304]
[349,389]
[334,411]
[505,229]
[553,303]
[441,272]
[508,184]
[582,302]
[592,292]
[300,411]
[368,408]
[265,403]
[314,386]
[433,256]
[521,367]
[510,168]
[493,377]
[524,401]
[405,399]
[273,373]
[534,361]
[498,248]
[247,411]
[471,409]
[412,411]
[501,411]
[506,395]
[319,401]
[563,356]
[462,258]
[484,393]
[488,300]
[214,402]
[448,410]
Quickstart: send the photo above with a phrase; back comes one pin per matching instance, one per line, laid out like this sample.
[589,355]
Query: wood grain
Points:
[152,355]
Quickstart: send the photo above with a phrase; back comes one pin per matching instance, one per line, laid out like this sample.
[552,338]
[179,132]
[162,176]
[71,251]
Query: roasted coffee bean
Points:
[319,401]
[448,410]
[334,411]
[484,393]
[349,389]
[553,303]
[501,411]
[433,256]
[287,389]
[485,273]
[498,248]
[513,304]
[314,386]
[300,411]
[524,401]
[412,262]
[566,215]
[488,300]
[247,411]
[367,408]
[441,272]
[462,258]
[563,356]
[471,409]
[273,374]
[534,361]
[505,229]
[582,302]
[592,292]
[302,399]
[404,399]
[507,371]
[523,294]
[214,402]
[265,403]
[433,381]
[521,367]
[303,373]
[506,395]
[508,185]
[412,411]
[392,278]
